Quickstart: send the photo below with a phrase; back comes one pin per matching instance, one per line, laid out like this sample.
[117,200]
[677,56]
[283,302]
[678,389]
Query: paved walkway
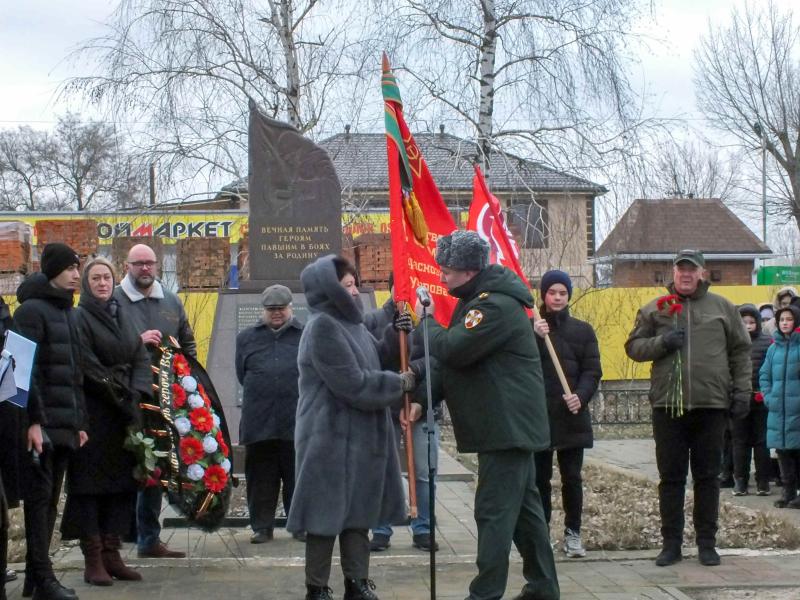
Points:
[225,565]
[638,458]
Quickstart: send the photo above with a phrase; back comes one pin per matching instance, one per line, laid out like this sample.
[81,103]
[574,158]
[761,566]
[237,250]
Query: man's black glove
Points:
[740,405]
[402,322]
[673,340]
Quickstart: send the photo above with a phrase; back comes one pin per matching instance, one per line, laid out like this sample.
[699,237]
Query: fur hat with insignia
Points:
[463,251]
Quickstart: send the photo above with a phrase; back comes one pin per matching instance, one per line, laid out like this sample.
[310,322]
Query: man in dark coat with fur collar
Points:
[492,379]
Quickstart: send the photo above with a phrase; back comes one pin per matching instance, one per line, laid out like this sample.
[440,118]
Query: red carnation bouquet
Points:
[190,447]
[672,307]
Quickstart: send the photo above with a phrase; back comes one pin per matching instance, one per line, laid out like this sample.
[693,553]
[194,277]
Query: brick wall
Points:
[644,273]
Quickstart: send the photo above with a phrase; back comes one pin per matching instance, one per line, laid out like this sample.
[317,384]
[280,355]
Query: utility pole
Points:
[152,184]
[762,136]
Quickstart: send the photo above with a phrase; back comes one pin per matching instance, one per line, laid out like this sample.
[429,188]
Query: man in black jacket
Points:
[56,412]
[266,367]
[158,314]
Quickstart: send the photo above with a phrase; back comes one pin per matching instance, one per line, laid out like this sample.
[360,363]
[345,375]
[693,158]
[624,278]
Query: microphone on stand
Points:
[423,296]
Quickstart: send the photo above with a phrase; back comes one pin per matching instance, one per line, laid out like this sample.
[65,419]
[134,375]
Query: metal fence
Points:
[615,405]
[620,407]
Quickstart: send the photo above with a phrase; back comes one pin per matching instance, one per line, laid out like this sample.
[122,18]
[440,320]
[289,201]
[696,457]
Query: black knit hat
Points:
[56,258]
[555,276]
[463,251]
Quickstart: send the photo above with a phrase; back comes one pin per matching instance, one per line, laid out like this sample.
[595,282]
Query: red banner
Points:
[418,214]
[486,218]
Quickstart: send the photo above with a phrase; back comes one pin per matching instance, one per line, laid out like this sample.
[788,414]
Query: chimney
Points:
[347,132]
[441,129]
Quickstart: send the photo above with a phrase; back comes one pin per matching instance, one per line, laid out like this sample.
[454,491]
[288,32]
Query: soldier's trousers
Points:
[508,507]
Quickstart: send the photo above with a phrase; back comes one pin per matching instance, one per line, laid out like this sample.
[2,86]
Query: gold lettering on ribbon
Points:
[165,398]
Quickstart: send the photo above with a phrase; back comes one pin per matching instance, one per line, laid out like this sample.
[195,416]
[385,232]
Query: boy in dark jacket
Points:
[56,413]
[750,434]
[570,422]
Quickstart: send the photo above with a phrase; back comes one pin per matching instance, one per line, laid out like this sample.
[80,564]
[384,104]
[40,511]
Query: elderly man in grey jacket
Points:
[158,315]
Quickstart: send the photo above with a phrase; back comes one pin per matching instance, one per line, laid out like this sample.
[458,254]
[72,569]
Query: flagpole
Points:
[408,426]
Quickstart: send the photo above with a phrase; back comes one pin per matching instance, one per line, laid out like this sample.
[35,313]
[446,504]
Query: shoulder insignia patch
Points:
[483,295]
[473,318]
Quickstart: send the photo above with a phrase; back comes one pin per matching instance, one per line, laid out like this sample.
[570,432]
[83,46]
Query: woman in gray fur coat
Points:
[347,468]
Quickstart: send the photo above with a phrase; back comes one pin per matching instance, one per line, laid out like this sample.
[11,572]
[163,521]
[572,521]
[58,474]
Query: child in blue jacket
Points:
[780,384]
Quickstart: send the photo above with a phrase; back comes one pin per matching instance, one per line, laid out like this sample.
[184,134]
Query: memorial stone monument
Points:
[295,217]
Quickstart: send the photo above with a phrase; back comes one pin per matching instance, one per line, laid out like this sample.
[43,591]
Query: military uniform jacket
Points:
[490,366]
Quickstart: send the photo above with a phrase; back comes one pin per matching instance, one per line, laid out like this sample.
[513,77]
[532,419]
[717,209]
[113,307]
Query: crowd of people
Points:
[322,412]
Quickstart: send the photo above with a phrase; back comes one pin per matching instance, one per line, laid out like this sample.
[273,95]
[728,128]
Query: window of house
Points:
[528,223]
[658,277]
[716,275]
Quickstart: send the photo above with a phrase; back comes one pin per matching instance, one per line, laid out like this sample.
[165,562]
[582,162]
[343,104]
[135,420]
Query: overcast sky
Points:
[37,35]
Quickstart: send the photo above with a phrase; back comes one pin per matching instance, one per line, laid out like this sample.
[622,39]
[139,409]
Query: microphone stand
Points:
[429,420]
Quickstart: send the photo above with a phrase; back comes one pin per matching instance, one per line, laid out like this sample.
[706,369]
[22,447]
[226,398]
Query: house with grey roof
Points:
[640,248]
[550,213]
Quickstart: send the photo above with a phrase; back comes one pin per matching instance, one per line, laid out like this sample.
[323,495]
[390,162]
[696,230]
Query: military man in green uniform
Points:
[492,379]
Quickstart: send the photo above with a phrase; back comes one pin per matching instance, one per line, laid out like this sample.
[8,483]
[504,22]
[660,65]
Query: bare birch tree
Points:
[540,77]
[185,71]
[748,86]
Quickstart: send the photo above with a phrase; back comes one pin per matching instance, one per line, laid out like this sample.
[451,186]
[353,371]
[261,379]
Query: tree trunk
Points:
[487,69]
[282,21]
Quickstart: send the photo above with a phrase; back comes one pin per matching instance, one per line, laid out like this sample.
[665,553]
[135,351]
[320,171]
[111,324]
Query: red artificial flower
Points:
[180,365]
[157,472]
[223,447]
[150,482]
[215,479]
[178,396]
[191,450]
[759,397]
[675,309]
[666,301]
[201,420]
[202,391]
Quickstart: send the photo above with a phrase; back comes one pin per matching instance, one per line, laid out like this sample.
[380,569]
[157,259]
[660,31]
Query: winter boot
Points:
[788,495]
[317,592]
[94,573]
[670,553]
[29,587]
[51,589]
[113,562]
[359,589]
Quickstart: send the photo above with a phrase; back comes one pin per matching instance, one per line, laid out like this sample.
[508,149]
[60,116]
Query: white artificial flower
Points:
[195,472]
[189,384]
[196,401]
[226,465]
[210,445]
[183,425]
[216,419]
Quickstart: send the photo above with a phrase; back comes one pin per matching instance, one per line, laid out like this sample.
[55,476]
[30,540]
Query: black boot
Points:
[740,487]
[29,588]
[359,589]
[317,592]
[670,554]
[789,493]
[51,589]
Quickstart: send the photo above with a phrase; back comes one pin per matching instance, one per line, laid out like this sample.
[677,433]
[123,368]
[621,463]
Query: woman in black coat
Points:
[101,489]
[570,422]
